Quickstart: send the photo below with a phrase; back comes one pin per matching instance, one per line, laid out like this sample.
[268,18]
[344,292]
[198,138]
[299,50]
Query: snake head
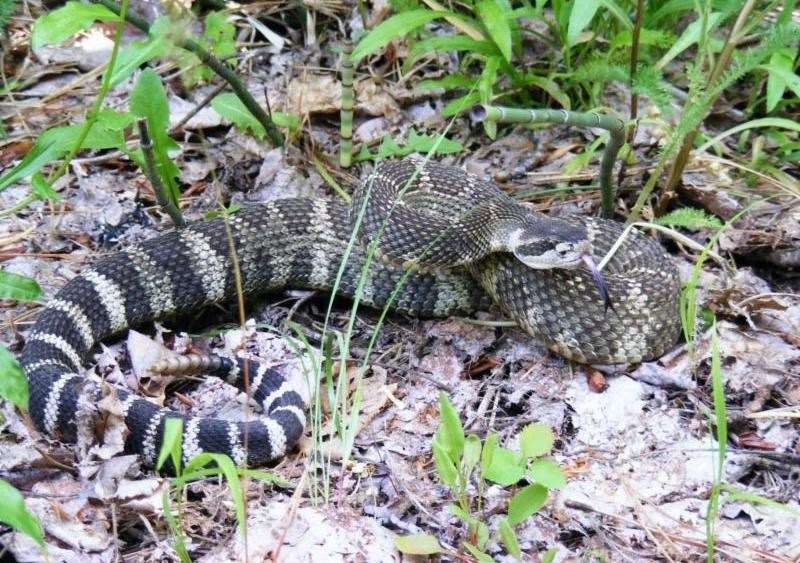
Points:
[547,254]
[544,252]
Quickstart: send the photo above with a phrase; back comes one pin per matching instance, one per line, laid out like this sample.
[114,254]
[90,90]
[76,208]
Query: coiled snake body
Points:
[453,240]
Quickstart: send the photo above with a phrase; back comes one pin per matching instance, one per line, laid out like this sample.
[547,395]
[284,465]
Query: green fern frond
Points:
[6,11]
[649,82]
[778,38]
[689,218]
[599,69]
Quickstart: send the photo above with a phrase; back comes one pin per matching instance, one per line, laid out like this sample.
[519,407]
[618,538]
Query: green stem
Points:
[19,206]
[220,68]
[346,116]
[615,127]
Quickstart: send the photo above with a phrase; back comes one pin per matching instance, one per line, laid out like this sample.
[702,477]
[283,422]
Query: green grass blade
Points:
[395,27]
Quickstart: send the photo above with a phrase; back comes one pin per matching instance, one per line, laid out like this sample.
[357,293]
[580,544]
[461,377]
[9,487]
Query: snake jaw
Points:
[599,280]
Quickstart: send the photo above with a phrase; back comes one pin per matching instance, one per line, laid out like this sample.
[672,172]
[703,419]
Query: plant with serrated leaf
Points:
[492,37]
[464,460]
[689,218]
[416,143]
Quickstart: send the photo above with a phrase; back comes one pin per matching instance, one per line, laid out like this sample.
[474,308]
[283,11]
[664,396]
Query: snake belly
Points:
[301,243]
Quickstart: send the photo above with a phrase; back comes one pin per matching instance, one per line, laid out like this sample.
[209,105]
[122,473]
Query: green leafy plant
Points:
[13,386]
[14,513]
[689,218]
[462,460]
[416,143]
[105,129]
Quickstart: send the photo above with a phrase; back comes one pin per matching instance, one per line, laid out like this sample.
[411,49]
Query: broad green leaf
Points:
[54,144]
[495,20]
[482,534]
[114,120]
[149,100]
[462,515]
[505,469]
[420,544]
[549,555]
[445,467]
[547,473]
[288,120]
[487,455]
[231,108]
[536,440]
[451,43]
[13,386]
[219,34]
[579,18]
[224,212]
[472,452]
[395,27]
[437,144]
[41,189]
[171,444]
[780,77]
[14,513]
[509,538]
[450,433]
[218,39]
[66,21]
[478,554]
[19,288]
[525,503]
[135,54]
[552,88]
[689,37]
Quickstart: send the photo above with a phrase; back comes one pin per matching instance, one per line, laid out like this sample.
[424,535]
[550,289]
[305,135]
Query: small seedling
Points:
[464,460]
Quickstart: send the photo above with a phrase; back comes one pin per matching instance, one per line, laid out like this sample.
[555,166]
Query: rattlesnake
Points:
[302,243]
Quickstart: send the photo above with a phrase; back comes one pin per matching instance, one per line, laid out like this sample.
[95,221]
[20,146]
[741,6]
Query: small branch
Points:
[221,69]
[152,174]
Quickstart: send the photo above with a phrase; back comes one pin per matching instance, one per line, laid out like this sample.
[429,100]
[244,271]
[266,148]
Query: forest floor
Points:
[636,443]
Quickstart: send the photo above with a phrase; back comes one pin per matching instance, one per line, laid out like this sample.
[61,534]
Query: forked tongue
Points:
[599,280]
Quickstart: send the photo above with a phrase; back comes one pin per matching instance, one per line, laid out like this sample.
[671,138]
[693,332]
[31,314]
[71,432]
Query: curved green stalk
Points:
[615,127]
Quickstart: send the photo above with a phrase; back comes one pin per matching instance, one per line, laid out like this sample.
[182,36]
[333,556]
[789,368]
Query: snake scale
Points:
[301,243]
